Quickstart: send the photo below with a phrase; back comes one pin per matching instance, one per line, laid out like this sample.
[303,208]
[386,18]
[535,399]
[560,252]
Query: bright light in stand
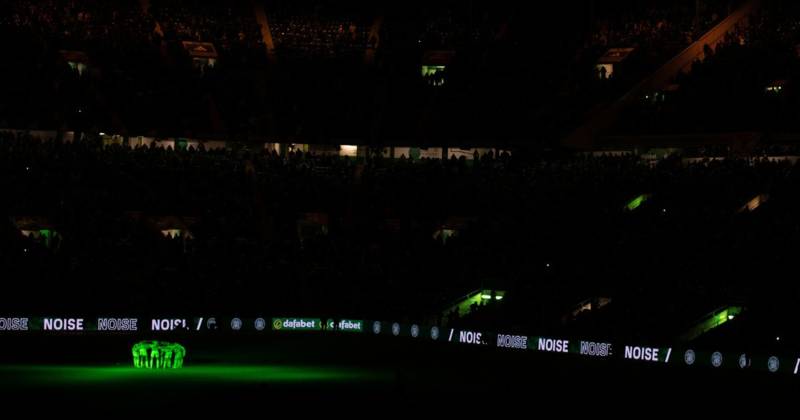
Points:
[348,150]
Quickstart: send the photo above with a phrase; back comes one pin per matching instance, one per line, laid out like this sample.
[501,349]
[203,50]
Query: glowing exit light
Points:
[637,202]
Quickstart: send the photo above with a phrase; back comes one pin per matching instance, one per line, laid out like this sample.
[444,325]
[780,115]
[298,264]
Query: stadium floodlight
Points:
[158,355]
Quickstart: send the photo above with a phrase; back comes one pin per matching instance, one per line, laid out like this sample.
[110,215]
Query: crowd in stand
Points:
[255,231]
[136,77]
[74,24]
[321,29]
[747,83]
[229,25]
[153,229]
[655,25]
[655,31]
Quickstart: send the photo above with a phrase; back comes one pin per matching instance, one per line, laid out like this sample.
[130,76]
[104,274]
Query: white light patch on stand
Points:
[348,150]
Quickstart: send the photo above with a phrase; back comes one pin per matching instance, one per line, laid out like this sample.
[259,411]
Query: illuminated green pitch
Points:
[197,375]
[158,355]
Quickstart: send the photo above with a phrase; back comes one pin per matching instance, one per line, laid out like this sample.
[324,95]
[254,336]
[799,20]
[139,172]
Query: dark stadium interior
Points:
[623,171]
